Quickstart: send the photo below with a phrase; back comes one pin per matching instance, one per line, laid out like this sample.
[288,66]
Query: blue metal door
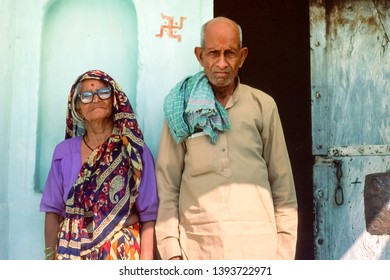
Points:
[350,78]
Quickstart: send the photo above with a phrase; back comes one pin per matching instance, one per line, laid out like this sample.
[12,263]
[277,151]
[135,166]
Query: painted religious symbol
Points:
[170,27]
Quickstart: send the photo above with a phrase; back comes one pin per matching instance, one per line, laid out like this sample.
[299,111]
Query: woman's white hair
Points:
[76,104]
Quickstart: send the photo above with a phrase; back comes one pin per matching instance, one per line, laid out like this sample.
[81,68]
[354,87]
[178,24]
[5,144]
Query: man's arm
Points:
[282,185]
[169,167]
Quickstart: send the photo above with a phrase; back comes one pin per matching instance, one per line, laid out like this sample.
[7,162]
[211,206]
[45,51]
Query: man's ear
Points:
[198,54]
[243,55]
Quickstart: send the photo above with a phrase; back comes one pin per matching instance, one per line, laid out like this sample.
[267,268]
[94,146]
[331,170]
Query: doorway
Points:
[277,35]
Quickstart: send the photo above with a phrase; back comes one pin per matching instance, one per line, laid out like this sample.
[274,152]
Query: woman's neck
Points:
[97,133]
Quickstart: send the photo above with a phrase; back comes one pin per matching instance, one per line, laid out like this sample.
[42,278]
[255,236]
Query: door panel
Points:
[350,68]
[350,65]
[340,226]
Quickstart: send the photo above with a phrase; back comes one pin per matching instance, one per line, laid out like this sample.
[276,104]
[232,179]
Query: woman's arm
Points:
[51,229]
[147,240]
[131,220]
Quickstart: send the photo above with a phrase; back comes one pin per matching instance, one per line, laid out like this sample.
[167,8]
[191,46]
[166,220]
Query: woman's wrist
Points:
[50,253]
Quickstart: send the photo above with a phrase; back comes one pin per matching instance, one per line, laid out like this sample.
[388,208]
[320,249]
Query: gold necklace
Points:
[86,143]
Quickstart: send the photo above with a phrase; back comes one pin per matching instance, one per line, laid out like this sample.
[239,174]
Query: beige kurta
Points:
[221,201]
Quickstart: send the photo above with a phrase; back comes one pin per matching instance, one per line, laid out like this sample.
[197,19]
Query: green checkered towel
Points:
[190,105]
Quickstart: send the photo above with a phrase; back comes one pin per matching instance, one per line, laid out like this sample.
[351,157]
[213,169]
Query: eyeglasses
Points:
[87,96]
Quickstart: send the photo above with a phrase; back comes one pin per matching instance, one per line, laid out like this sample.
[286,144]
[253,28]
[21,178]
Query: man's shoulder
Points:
[256,93]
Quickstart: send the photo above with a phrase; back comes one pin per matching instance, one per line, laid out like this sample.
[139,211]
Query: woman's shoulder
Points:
[67,146]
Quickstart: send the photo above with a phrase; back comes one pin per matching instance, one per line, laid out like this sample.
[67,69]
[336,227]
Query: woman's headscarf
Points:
[107,186]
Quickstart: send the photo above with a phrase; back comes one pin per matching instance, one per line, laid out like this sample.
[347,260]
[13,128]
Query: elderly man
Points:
[224,178]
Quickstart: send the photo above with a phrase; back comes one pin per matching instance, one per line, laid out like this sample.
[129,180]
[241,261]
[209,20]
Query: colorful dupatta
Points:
[107,186]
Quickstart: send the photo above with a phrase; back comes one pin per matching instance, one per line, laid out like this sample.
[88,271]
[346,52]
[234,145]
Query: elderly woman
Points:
[100,196]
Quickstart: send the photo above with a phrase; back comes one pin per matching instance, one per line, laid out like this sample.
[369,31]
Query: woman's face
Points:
[98,109]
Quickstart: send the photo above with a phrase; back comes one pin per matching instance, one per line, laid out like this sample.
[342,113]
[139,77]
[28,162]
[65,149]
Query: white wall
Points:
[161,63]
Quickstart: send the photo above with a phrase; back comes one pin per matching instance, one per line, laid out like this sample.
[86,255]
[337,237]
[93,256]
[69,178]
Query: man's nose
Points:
[222,62]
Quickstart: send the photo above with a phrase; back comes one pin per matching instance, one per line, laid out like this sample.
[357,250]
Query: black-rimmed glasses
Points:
[87,96]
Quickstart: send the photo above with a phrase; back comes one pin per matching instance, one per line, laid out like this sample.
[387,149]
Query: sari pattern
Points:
[107,186]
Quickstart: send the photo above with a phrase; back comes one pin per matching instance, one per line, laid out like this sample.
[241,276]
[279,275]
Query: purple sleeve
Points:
[52,198]
[64,170]
[147,200]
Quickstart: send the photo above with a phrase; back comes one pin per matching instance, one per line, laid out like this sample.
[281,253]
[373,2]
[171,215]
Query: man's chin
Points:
[221,82]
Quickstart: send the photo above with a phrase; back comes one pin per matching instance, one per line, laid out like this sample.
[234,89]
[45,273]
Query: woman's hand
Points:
[131,220]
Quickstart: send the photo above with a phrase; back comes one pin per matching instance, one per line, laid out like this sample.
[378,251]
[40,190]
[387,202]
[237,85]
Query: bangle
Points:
[50,256]
[49,249]
[50,252]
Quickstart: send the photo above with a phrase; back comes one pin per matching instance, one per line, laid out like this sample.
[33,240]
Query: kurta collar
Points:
[233,99]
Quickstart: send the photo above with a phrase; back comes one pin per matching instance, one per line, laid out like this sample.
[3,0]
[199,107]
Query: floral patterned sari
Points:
[102,197]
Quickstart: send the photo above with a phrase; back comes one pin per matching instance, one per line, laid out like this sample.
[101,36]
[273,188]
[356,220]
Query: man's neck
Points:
[223,94]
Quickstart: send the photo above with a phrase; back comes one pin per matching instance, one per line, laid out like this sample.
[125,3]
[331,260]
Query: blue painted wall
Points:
[45,45]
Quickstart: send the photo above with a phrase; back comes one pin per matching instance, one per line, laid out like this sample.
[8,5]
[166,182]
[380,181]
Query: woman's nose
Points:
[95,98]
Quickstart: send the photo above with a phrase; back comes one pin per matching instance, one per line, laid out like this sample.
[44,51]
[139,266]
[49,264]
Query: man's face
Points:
[221,55]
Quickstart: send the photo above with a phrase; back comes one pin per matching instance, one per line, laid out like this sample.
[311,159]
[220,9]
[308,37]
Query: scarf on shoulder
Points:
[191,105]
[107,186]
